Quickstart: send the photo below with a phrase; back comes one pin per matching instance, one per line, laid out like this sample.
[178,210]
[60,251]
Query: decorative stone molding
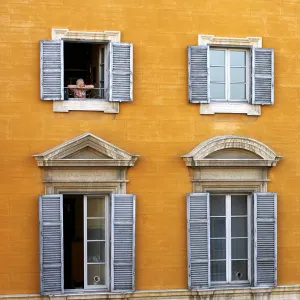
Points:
[262,154]
[205,39]
[230,108]
[62,33]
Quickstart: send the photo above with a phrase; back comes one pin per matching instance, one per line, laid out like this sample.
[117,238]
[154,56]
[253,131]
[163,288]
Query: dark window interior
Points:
[73,242]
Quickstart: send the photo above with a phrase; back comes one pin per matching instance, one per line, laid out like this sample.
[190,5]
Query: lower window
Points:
[230,238]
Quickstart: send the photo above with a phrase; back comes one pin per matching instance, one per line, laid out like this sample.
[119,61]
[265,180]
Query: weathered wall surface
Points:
[159,125]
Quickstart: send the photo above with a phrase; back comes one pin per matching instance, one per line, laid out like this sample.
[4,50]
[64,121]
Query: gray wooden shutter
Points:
[198,240]
[120,72]
[52,70]
[198,74]
[123,242]
[51,244]
[262,76]
[265,239]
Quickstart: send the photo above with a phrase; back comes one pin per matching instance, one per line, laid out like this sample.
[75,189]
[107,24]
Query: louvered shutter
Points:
[51,70]
[262,76]
[122,242]
[198,240]
[198,71]
[265,239]
[51,244]
[120,72]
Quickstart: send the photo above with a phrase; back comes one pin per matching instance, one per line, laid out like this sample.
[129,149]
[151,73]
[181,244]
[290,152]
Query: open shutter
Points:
[123,242]
[198,71]
[265,239]
[51,70]
[198,240]
[262,76]
[51,244]
[120,71]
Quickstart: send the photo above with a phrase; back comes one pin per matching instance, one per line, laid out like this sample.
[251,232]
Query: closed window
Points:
[229,74]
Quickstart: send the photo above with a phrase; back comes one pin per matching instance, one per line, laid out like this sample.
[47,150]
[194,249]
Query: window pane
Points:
[218,270]
[218,249]
[217,90]
[217,74]
[238,205]
[217,57]
[217,227]
[217,205]
[239,270]
[237,58]
[96,229]
[238,91]
[239,248]
[239,227]
[96,207]
[237,75]
[96,274]
[96,252]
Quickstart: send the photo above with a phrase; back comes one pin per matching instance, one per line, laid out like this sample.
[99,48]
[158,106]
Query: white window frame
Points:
[107,243]
[227,74]
[228,240]
[231,107]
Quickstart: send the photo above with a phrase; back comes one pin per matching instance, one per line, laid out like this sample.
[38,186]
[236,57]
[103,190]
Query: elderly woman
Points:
[79,90]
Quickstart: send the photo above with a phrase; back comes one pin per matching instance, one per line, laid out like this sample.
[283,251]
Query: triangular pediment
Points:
[86,150]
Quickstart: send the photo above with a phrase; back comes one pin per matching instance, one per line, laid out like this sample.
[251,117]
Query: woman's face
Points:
[80,83]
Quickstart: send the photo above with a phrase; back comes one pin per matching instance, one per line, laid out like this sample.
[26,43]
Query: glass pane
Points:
[102,72]
[237,75]
[217,205]
[96,207]
[217,91]
[238,91]
[239,227]
[217,57]
[218,249]
[238,205]
[96,229]
[239,270]
[217,227]
[218,270]
[96,252]
[239,248]
[217,74]
[102,55]
[237,58]
[96,274]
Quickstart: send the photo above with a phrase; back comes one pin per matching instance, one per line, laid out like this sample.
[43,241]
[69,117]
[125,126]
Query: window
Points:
[229,74]
[230,238]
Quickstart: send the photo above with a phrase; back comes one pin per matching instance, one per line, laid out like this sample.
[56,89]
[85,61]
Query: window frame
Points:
[228,217]
[227,67]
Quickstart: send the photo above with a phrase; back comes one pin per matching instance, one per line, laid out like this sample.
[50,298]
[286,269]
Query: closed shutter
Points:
[198,240]
[51,70]
[262,76]
[123,242]
[198,71]
[265,239]
[120,72]
[51,244]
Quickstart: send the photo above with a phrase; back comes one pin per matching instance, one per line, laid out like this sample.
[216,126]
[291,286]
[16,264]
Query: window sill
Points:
[86,105]
[230,108]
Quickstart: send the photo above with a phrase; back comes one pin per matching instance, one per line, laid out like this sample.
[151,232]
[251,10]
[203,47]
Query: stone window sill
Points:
[230,108]
[86,105]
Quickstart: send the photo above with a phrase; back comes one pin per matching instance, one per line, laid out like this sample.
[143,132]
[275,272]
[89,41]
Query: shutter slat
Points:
[265,239]
[51,70]
[51,244]
[262,76]
[121,72]
[123,242]
[198,240]
[198,70]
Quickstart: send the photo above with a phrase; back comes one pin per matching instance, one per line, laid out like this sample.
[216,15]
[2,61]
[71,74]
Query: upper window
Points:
[229,74]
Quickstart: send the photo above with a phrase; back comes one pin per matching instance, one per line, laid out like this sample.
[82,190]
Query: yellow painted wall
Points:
[159,125]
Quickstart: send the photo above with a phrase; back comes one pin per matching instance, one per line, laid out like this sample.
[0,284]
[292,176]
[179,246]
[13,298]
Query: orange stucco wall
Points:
[159,125]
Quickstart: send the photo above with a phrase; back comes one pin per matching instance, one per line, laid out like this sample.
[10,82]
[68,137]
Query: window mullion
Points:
[85,239]
[228,75]
[249,198]
[228,238]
